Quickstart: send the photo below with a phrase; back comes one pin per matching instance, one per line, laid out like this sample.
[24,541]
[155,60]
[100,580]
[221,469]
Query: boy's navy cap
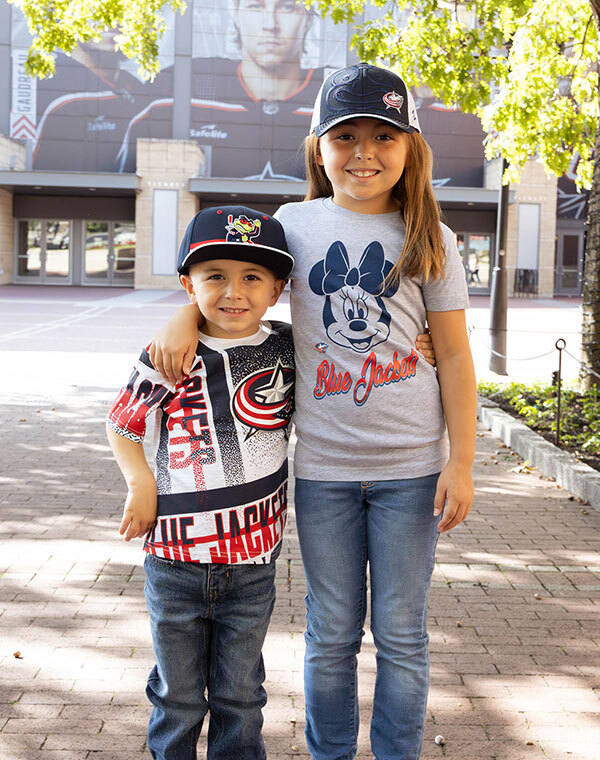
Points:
[364,90]
[235,232]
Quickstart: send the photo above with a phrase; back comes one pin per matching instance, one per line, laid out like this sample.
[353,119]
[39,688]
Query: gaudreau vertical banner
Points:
[23,114]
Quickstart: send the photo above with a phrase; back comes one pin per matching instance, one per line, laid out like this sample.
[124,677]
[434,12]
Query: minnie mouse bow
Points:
[334,271]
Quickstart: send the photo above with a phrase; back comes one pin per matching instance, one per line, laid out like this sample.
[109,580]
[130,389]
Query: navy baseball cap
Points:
[235,232]
[364,90]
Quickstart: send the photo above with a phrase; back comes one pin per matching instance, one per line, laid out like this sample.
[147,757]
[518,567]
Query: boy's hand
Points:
[139,513]
[454,495]
[173,349]
[424,346]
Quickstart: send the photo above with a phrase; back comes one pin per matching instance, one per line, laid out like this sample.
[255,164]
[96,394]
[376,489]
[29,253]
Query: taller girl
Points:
[375,482]
[373,265]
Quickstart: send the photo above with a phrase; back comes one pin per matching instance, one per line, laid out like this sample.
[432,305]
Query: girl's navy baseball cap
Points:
[364,90]
[239,233]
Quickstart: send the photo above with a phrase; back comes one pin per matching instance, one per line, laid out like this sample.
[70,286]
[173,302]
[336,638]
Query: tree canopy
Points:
[527,68]
[64,24]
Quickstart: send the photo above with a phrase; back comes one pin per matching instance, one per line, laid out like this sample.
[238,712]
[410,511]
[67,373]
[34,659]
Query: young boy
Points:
[214,512]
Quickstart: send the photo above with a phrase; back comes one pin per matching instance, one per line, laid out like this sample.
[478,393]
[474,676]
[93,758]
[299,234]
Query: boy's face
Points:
[232,295]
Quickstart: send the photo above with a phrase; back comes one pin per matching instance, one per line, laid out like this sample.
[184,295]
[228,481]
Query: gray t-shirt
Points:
[368,405]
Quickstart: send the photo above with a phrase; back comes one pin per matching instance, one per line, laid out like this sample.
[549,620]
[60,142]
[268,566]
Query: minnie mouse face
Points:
[354,313]
[355,319]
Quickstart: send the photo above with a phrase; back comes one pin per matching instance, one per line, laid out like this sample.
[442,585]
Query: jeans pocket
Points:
[276,551]
[160,561]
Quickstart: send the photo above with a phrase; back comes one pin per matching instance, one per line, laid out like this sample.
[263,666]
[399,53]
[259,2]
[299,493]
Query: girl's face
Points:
[363,159]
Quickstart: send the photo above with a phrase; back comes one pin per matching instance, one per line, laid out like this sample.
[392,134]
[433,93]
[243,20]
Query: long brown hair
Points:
[423,249]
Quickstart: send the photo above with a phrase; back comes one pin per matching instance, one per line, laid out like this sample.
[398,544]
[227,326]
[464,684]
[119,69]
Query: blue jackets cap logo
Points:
[393,100]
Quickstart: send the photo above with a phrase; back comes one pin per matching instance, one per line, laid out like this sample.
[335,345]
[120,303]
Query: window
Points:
[44,251]
[109,253]
[475,249]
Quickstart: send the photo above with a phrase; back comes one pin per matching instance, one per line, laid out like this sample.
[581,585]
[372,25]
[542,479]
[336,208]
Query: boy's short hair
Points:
[239,233]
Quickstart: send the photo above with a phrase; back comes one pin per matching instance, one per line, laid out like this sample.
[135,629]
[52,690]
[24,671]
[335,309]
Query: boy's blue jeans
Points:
[341,527]
[208,624]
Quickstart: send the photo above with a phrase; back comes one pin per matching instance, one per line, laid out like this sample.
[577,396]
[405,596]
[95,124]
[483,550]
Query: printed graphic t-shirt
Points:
[368,405]
[221,439]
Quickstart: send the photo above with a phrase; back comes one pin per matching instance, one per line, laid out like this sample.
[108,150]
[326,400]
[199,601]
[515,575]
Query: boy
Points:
[214,513]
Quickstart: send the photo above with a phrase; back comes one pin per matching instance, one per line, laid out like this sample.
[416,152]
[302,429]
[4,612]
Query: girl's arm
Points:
[458,388]
[139,513]
[172,351]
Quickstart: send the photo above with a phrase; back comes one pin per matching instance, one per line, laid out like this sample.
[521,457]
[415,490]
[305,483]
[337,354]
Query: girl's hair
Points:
[423,250]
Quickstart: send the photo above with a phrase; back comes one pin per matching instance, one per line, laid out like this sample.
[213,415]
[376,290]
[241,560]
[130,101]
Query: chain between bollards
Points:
[560,349]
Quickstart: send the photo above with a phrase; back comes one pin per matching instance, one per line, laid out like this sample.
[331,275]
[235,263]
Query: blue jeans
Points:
[343,526]
[208,624]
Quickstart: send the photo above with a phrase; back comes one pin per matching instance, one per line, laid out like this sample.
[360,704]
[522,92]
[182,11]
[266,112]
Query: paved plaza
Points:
[514,617]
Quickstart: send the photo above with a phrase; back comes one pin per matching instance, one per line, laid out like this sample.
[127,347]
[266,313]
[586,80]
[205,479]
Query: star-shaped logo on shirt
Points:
[264,399]
[276,389]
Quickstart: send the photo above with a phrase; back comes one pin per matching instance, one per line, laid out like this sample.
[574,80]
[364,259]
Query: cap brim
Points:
[320,129]
[278,261]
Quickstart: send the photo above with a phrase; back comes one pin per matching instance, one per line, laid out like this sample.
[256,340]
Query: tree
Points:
[527,68]
[63,24]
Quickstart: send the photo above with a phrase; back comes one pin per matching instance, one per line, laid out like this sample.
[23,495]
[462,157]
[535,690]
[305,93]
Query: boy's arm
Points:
[173,349]
[425,347]
[139,513]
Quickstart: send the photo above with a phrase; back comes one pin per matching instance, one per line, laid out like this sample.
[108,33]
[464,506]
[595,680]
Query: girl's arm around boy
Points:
[459,399]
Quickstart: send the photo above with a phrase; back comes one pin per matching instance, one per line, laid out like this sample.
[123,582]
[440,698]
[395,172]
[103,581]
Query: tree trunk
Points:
[590,329]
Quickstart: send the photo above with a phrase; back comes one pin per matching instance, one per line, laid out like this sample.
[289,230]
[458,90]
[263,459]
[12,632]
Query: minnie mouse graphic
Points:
[354,313]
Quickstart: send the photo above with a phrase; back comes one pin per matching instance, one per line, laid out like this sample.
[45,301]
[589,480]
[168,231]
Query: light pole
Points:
[498,289]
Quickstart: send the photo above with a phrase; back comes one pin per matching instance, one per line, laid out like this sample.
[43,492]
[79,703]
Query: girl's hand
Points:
[139,513]
[172,351]
[455,491]
[424,346]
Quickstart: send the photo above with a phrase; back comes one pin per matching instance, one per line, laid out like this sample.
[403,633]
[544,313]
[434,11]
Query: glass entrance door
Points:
[476,251]
[109,253]
[44,252]
[568,274]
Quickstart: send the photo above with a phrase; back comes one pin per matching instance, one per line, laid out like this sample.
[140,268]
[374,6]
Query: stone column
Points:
[12,156]
[163,165]
[535,187]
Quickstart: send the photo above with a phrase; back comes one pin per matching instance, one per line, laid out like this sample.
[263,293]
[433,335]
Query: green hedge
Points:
[580,412]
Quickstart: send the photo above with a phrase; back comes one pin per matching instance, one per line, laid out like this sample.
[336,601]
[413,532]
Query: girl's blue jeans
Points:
[342,526]
[208,626]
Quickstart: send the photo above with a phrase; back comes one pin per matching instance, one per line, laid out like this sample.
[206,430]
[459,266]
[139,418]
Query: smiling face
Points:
[363,159]
[232,295]
[271,31]
[355,319]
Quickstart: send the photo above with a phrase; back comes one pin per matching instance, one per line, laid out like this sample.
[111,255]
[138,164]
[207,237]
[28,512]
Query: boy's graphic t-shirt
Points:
[367,404]
[220,443]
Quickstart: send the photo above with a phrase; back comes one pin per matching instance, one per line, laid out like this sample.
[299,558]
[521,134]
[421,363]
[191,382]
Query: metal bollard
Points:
[559,348]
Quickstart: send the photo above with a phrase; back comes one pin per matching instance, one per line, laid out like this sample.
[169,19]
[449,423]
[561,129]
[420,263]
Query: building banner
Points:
[255,71]
[23,115]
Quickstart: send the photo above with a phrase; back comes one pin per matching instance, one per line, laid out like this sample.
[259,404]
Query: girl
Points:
[375,484]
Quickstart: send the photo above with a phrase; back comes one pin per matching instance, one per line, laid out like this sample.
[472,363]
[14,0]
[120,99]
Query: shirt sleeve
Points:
[450,292]
[145,393]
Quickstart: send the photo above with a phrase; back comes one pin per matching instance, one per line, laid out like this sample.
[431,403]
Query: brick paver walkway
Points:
[514,613]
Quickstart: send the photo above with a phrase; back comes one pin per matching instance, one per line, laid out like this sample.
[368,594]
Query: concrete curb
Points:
[578,478]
